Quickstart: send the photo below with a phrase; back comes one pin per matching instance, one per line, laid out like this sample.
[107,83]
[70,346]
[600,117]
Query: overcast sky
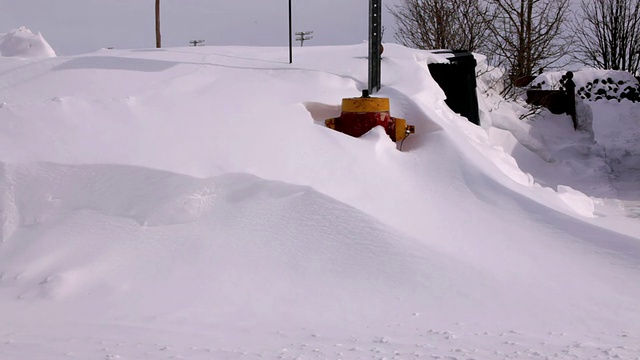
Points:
[80,26]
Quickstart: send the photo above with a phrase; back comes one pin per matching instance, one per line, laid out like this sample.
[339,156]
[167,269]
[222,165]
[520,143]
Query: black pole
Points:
[375,40]
[290,37]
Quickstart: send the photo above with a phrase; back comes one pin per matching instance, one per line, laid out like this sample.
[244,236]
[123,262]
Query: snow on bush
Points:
[610,89]
[594,85]
[23,42]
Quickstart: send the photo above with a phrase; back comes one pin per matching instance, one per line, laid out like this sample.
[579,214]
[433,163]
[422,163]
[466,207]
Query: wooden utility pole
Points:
[158,37]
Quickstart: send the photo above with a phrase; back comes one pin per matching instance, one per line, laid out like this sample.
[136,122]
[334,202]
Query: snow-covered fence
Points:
[554,100]
[595,85]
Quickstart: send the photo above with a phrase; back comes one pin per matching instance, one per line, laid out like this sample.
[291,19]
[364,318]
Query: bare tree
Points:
[608,34]
[528,35]
[441,24]
[158,37]
[471,19]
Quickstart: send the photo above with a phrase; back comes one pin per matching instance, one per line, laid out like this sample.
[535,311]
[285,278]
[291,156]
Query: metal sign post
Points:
[375,44]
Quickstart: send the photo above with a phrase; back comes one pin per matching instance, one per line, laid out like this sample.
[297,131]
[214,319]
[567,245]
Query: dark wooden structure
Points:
[458,81]
[554,100]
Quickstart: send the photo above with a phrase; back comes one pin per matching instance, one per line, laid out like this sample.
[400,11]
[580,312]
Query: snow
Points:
[190,203]
[24,43]
[595,85]
[551,80]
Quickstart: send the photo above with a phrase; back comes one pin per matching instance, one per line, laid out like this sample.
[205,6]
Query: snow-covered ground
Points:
[190,203]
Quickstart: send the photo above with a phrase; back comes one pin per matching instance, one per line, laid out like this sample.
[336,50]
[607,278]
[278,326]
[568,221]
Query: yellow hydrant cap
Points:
[365,105]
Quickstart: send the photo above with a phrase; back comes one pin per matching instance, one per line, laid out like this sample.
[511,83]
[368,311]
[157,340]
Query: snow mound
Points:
[236,237]
[579,202]
[24,43]
[346,242]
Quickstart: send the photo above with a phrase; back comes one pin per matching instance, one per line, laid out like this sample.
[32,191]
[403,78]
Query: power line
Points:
[303,36]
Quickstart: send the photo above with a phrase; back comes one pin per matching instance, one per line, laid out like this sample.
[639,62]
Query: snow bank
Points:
[24,43]
[581,203]
[594,85]
[229,210]
[243,246]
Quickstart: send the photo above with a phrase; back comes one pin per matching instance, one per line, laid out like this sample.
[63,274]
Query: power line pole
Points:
[158,39]
[303,36]
[290,37]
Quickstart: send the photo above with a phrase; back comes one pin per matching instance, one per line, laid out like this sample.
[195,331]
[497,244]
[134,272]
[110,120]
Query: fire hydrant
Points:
[359,115]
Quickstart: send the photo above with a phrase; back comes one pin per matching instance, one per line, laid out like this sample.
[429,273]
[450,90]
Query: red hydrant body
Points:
[359,115]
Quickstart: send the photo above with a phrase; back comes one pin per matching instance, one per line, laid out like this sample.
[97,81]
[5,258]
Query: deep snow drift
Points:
[190,203]
[24,43]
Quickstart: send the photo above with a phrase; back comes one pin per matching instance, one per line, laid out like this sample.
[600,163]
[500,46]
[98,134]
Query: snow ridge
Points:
[25,44]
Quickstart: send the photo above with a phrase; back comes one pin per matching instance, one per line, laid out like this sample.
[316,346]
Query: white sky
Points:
[94,24]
